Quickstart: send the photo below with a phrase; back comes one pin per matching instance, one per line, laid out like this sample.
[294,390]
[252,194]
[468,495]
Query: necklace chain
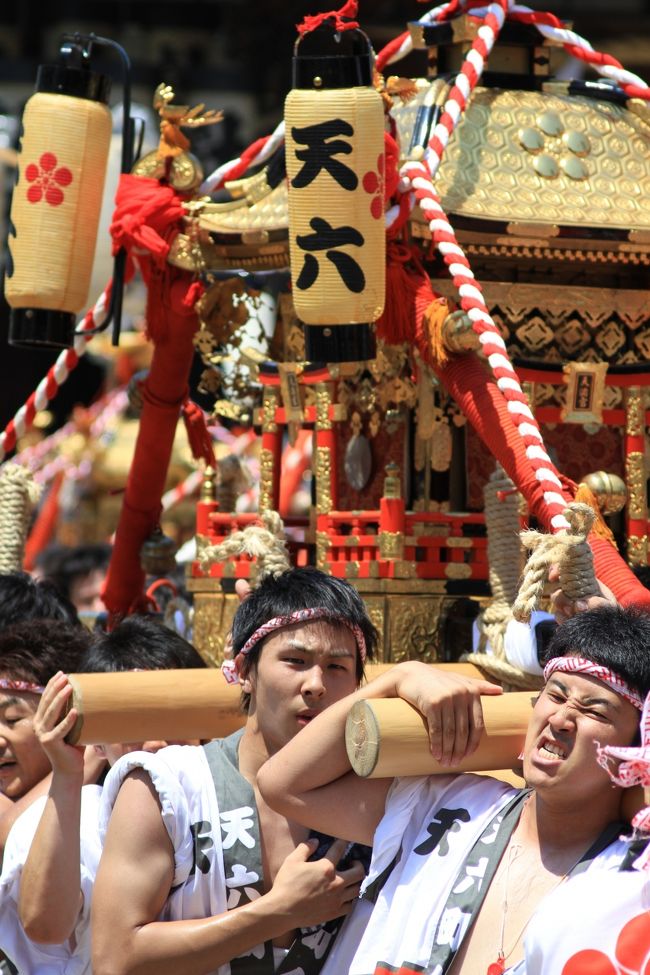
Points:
[515,850]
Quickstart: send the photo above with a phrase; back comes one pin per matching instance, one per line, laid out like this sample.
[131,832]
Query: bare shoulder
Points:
[125,892]
[137,816]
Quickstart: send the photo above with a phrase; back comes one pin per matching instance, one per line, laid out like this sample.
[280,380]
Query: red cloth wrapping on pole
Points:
[171,323]
[469,382]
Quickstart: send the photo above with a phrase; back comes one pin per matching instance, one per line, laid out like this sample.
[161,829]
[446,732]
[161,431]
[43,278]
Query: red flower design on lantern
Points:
[632,953]
[373,182]
[47,180]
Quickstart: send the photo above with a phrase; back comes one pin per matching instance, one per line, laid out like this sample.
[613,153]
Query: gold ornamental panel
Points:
[323,472]
[414,628]
[543,157]
[267,477]
[635,411]
[635,478]
[637,549]
[562,324]
[213,616]
[391,545]
[377,612]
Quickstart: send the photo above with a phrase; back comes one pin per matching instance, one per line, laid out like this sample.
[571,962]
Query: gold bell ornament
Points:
[56,203]
[334,139]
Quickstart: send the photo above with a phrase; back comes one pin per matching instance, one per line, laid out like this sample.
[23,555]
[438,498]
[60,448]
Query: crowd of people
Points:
[263,852]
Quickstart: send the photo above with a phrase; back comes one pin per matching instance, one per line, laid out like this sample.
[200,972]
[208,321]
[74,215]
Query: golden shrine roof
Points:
[542,163]
[544,157]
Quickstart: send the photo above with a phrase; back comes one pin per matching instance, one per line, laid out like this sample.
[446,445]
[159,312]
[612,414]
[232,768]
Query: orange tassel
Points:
[433,319]
[600,527]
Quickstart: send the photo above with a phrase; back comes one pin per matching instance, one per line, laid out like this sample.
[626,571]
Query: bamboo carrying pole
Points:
[388,737]
[149,705]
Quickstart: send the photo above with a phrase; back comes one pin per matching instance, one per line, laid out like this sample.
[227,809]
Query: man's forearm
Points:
[50,896]
[194,947]
[317,756]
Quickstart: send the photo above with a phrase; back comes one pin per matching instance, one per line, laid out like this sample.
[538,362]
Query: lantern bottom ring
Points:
[29,327]
[340,343]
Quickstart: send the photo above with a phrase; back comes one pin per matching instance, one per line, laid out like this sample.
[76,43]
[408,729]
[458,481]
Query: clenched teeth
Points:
[553,749]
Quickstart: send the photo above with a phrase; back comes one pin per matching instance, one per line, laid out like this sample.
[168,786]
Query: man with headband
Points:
[190,841]
[461,862]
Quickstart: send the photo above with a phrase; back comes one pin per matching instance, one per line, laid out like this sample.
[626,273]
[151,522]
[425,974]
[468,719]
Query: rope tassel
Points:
[570,550]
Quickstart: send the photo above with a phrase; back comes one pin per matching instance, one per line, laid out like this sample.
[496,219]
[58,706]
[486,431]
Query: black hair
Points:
[302,588]
[64,564]
[23,598]
[613,636]
[139,643]
[35,650]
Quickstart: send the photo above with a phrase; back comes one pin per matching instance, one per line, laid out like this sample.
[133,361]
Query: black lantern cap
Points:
[327,58]
[29,327]
[340,343]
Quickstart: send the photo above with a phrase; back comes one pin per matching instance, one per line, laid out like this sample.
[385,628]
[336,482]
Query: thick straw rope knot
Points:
[265,542]
[570,550]
[18,497]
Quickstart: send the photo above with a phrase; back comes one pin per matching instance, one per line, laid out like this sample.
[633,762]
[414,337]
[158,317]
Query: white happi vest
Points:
[72,957]
[594,924]
[420,848]
[210,814]
[182,780]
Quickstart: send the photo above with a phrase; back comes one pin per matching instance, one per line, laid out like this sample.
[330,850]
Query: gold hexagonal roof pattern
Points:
[541,157]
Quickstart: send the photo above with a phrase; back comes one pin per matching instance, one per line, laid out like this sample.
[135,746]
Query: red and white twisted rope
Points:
[184,490]
[493,346]
[56,376]
[256,154]
[549,27]
[101,412]
[418,177]
[106,410]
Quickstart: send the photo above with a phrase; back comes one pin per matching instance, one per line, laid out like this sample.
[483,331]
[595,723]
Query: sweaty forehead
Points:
[316,636]
[587,687]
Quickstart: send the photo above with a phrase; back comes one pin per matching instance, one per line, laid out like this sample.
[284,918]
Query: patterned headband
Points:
[631,766]
[231,668]
[578,665]
[20,685]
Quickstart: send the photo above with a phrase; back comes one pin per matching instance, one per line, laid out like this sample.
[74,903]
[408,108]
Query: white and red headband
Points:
[578,665]
[6,684]
[626,766]
[231,668]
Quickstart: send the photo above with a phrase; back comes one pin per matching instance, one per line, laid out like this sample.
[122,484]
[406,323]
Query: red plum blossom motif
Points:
[373,183]
[47,179]
[632,954]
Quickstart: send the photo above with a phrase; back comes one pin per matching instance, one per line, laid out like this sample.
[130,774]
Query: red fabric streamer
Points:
[198,435]
[343,19]
[147,213]
[44,526]
[148,216]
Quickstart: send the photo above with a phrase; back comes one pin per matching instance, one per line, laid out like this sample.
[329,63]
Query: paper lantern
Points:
[56,203]
[334,137]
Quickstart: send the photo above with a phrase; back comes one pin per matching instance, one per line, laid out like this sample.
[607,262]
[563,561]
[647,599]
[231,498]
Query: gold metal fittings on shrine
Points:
[556,149]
